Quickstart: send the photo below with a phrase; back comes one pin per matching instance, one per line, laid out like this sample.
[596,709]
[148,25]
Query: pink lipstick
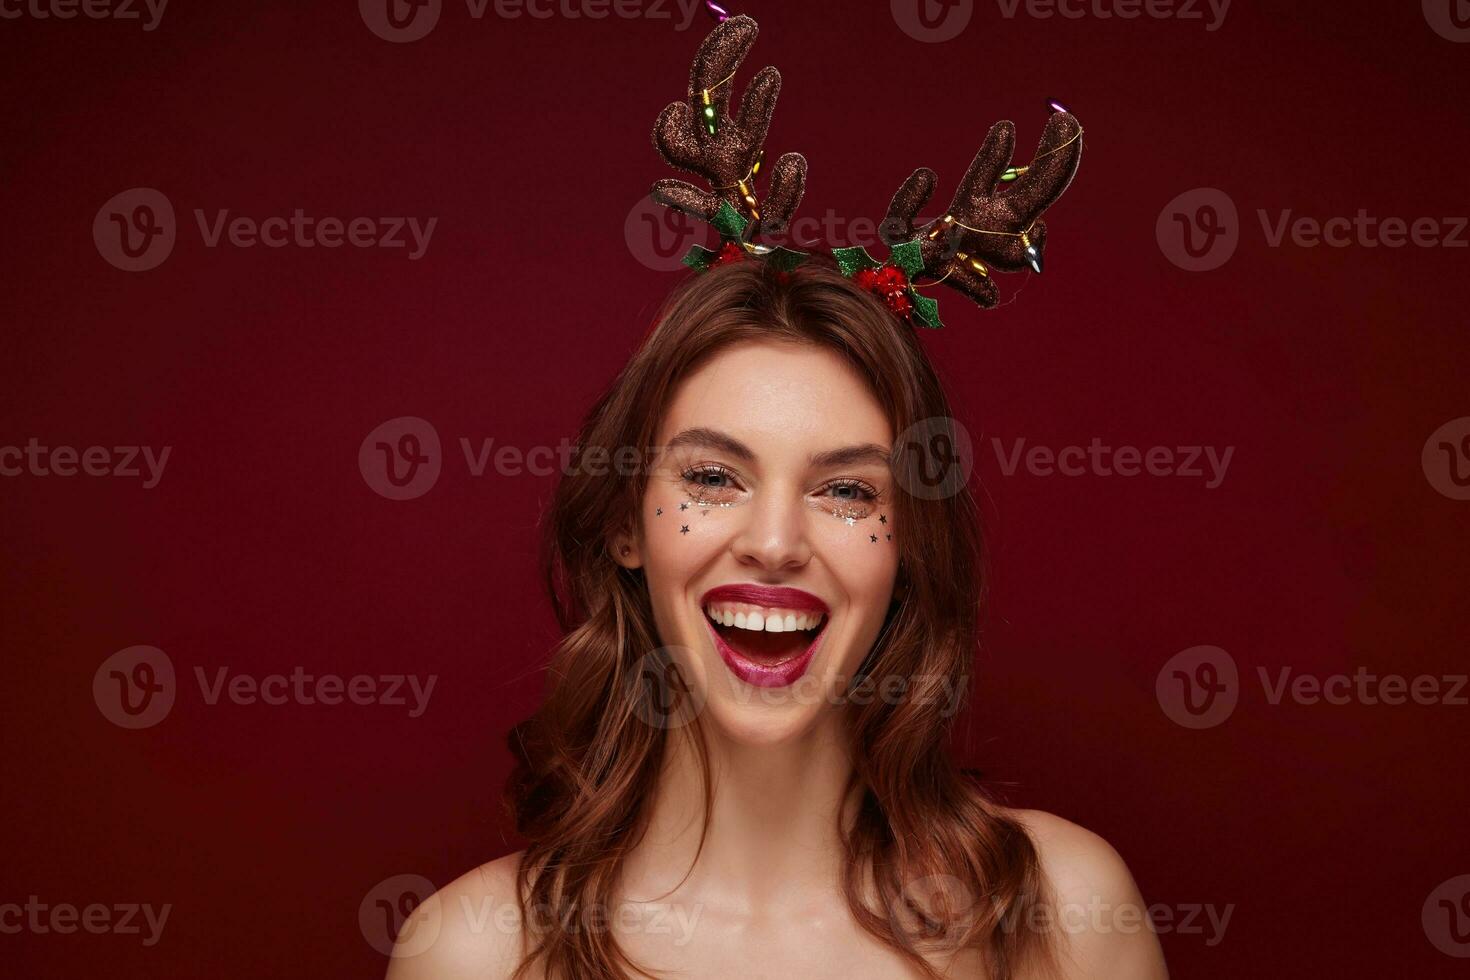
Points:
[763,656]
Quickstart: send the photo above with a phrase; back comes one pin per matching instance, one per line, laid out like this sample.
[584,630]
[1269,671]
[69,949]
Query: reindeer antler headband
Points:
[993,221]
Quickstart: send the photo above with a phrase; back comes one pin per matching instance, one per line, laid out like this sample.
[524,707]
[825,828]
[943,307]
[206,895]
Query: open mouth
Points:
[766,635]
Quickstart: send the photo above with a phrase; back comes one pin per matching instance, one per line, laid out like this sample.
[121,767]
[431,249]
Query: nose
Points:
[774,536]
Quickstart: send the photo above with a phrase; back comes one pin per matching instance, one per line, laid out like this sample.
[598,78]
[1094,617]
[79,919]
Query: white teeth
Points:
[769,620]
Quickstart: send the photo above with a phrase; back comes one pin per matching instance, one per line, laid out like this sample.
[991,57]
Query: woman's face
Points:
[767,535]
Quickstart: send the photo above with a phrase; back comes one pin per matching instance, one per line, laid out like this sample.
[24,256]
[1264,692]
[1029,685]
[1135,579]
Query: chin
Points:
[765,690]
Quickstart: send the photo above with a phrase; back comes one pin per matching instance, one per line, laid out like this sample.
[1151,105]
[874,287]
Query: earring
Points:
[624,551]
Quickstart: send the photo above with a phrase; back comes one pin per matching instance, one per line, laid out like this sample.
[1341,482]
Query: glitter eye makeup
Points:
[850,500]
[709,485]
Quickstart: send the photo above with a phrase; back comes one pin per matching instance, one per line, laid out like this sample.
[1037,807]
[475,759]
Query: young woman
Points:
[741,767]
[770,587]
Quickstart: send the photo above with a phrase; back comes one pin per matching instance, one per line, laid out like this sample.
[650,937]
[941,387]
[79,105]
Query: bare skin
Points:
[764,897]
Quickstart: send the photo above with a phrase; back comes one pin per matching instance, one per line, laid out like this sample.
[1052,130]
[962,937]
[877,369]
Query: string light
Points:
[711,117]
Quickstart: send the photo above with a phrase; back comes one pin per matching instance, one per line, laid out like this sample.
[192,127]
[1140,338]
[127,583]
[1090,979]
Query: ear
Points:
[625,550]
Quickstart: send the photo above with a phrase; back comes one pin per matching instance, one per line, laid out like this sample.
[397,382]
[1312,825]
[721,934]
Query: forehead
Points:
[771,394]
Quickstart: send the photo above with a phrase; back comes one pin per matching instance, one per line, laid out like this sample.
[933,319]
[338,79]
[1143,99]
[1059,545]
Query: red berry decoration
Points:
[890,284]
[730,252]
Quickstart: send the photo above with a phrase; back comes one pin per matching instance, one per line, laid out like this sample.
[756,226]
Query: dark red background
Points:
[263,549]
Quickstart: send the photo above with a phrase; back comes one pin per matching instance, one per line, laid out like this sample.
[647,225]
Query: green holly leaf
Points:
[853,260]
[908,257]
[926,310]
[786,259]
[729,222]
[698,258]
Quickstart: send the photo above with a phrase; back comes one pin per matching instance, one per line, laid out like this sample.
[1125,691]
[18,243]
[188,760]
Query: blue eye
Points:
[851,491]
[714,479]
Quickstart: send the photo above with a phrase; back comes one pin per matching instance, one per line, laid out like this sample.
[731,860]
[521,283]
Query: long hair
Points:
[945,863]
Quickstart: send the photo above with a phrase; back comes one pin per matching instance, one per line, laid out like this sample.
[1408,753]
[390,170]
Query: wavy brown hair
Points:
[929,858]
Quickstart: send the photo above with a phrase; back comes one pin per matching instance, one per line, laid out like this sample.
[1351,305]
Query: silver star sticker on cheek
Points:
[849,521]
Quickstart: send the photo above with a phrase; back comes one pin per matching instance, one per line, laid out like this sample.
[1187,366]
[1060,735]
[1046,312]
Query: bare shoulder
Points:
[1098,905]
[470,928]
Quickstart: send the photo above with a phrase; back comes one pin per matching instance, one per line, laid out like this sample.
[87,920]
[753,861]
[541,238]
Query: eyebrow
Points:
[869,452]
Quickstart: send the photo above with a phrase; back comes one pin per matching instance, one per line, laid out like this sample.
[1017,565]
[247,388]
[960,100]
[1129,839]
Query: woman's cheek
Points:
[867,541]
[681,535]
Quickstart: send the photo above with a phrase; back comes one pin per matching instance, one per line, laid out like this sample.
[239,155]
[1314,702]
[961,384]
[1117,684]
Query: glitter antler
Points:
[697,135]
[981,225]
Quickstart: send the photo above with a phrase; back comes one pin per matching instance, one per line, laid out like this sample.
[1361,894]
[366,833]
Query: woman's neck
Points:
[773,834]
